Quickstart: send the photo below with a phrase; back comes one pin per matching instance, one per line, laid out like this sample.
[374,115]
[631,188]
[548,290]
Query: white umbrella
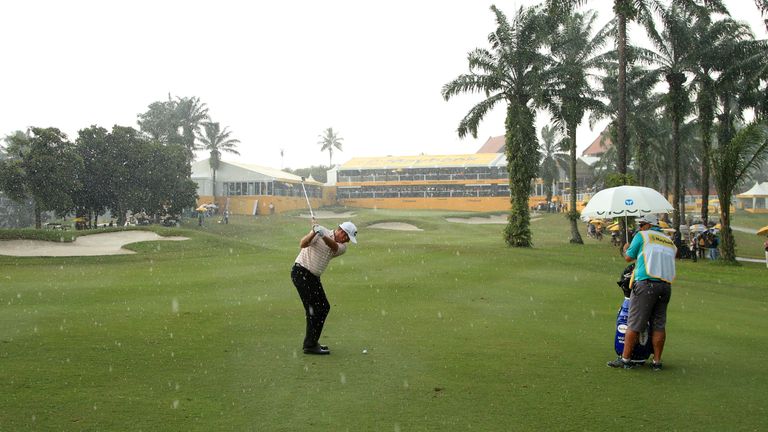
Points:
[625,201]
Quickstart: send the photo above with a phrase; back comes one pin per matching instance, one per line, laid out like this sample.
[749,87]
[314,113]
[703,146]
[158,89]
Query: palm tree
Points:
[625,10]
[568,93]
[552,158]
[711,41]
[191,113]
[629,10]
[216,141]
[328,142]
[642,118]
[509,73]
[732,162]
[675,56]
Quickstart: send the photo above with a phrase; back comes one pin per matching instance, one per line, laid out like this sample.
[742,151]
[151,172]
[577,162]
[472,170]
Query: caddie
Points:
[651,289]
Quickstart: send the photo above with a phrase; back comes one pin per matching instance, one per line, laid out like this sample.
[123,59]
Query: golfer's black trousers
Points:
[315,303]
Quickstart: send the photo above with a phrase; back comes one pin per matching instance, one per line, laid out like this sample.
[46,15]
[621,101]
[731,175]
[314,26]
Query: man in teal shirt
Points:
[651,288]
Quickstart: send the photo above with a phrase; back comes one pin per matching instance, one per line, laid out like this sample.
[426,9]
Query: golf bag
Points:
[644,347]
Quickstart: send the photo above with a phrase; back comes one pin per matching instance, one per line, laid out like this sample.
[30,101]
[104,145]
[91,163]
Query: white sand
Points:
[324,214]
[396,226]
[90,245]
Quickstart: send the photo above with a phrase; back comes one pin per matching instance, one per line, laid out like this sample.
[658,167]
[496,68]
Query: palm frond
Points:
[470,122]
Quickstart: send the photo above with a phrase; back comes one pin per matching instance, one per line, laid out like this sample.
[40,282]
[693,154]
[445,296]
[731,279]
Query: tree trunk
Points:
[676,173]
[621,118]
[213,187]
[727,242]
[521,147]
[676,95]
[642,161]
[683,191]
[706,117]
[38,216]
[573,214]
[705,167]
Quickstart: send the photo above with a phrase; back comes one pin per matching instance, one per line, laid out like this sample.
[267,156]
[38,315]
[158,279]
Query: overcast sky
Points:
[276,73]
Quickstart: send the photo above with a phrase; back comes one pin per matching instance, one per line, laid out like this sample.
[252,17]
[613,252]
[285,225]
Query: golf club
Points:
[307,198]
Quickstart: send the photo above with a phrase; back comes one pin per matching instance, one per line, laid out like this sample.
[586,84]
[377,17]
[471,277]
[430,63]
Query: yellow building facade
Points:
[465,182]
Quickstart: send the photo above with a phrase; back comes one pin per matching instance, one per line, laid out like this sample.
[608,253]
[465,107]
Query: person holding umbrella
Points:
[318,247]
[652,288]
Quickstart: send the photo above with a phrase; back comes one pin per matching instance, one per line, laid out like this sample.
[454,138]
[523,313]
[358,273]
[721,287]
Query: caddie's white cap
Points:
[649,219]
[351,231]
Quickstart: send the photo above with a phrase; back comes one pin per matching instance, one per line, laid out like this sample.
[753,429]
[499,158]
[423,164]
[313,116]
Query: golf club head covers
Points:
[624,279]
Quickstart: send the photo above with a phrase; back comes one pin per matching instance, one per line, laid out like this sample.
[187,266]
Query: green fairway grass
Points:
[462,333]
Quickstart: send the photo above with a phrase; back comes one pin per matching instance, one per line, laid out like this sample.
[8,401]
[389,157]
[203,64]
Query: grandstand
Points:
[471,182]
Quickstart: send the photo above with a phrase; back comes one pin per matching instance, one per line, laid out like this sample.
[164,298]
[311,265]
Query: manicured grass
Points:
[462,333]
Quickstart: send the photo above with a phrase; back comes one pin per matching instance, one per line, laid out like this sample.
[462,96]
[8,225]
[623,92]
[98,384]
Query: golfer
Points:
[652,288]
[318,247]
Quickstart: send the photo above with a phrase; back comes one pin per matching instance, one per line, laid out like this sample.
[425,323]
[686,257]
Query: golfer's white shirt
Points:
[317,255]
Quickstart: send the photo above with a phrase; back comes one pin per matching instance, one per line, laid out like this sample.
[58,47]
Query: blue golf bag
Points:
[644,347]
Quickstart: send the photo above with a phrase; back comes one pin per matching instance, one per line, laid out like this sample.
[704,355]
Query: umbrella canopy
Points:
[763,230]
[626,201]
[202,208]
[698,227]
[614,227]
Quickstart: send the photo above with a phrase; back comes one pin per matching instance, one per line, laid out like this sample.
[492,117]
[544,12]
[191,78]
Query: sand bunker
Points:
[90,245]
[493,219]
[324,214]
[396,226]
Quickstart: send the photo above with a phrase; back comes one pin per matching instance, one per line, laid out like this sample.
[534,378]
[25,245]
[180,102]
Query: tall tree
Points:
[328,141]
[99,163]
[626,11]
[175,122]
[42,165]
[675,56]
[161,123]
[568,93]
[732,162]
[150,176]
[642,117]
[552,158]
[711,41]
[192,114]
[216,141]
[509,73]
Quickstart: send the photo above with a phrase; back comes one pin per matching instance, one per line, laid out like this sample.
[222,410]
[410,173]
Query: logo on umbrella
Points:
[629,201]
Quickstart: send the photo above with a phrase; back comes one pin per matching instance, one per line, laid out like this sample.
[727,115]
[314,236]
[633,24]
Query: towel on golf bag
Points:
[643,348]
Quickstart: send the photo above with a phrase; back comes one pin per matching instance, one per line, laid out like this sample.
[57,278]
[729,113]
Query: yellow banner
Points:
[422,161]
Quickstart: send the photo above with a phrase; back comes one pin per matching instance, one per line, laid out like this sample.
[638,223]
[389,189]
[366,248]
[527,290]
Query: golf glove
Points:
[319,231]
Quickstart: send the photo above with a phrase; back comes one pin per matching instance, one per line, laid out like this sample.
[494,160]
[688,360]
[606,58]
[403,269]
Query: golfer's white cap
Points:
[351,231]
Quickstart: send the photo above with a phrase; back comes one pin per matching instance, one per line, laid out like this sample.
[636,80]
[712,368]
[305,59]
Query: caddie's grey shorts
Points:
[649,300]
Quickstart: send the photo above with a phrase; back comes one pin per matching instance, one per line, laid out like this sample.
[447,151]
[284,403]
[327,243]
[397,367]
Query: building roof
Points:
[426,161]
[589,160]
[493,145]
[758,190]
[600,145]
[202,169]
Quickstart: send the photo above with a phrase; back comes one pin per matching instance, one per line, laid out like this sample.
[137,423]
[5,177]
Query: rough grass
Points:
[462,333]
